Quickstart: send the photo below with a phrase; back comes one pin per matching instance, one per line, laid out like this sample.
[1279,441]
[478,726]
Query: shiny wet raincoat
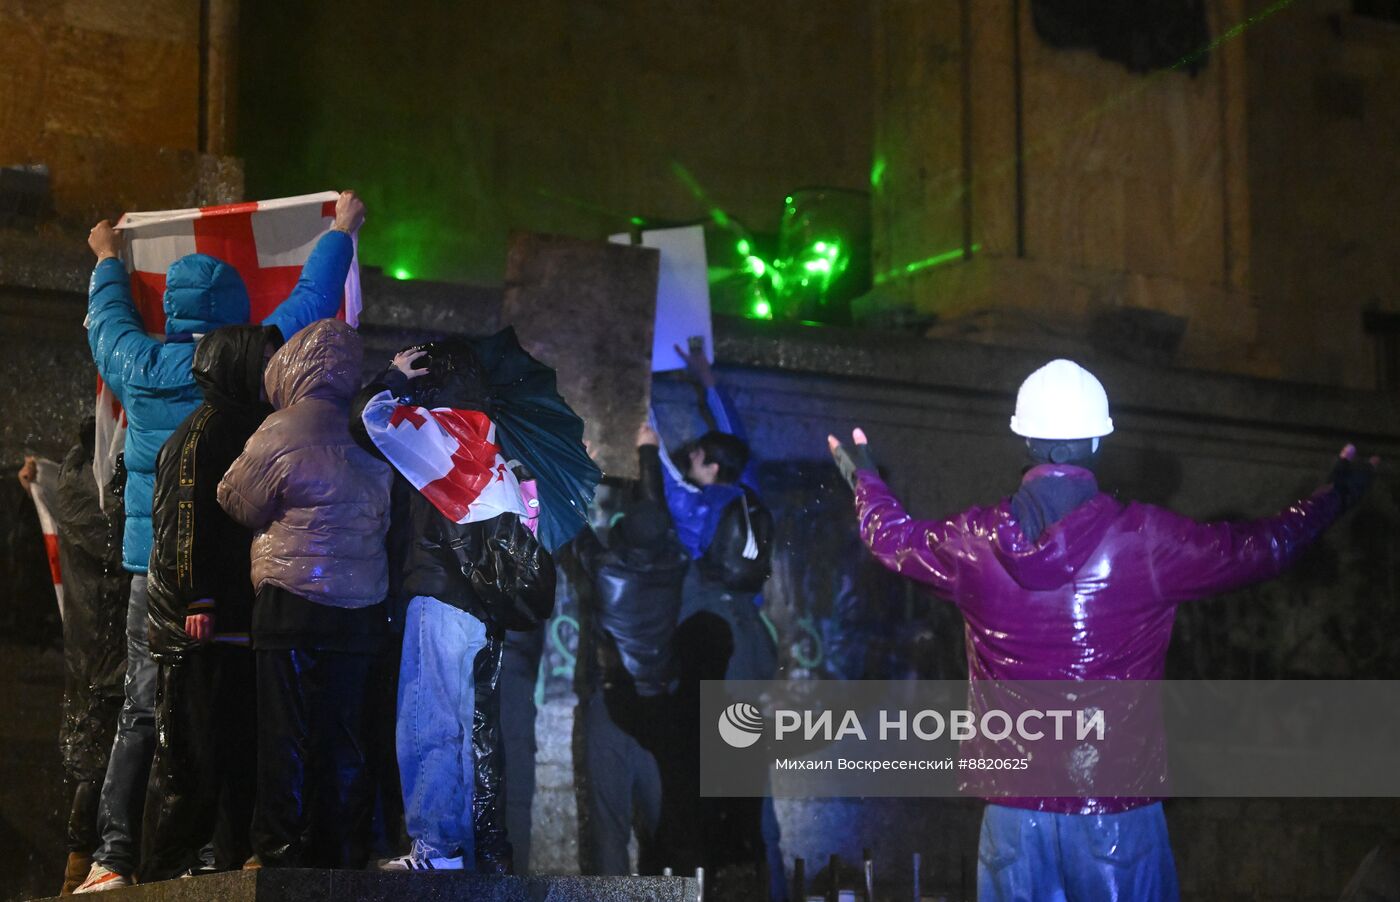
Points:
[318,501]
[152,379]
[1094,596]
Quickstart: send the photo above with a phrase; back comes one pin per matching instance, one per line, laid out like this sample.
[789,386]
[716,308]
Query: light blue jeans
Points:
[434,729]
[1036,856]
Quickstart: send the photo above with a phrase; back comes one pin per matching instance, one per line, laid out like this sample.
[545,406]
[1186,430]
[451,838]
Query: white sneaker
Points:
[99,879]
[413,862]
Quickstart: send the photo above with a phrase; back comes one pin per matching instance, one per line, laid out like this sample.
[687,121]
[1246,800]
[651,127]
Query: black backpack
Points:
[509,571]
[740,556]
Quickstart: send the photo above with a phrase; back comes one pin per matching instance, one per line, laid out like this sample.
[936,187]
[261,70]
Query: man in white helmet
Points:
[1063,582]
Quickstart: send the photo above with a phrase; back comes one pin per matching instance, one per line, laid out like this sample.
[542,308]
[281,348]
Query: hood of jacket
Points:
[321,361]
[1053,558]
[228,367]
[203,293]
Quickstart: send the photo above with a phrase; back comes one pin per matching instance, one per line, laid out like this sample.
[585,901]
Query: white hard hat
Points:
[1061,400]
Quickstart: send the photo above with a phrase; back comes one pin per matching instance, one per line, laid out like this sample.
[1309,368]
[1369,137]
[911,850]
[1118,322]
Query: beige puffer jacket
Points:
[319,503]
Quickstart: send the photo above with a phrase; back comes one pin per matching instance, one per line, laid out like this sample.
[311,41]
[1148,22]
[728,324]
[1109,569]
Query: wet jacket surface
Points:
[635,604]
[319,503]
[697,510]
[1094,597]
[724,562]
[152,379]
[95,595]
[200,559]
[638,595]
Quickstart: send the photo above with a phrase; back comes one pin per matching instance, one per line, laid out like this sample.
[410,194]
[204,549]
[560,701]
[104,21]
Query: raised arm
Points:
[121,349]
[914,548]
[918,549]
[686,503]
[318,292]
[720,406]
[1192,560]
[652,481]
[375,402]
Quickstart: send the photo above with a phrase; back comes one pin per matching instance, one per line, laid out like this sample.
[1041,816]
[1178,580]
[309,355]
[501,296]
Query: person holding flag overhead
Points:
[152,380]
[454,418]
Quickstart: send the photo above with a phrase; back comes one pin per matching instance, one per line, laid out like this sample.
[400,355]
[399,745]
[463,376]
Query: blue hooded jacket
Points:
[152,379]
[697,510]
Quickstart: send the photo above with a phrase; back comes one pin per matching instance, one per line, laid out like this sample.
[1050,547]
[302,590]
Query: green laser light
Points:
[402,274]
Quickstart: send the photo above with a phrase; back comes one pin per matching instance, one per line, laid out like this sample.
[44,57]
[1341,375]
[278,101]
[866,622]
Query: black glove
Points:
[1351,478]
[851,459]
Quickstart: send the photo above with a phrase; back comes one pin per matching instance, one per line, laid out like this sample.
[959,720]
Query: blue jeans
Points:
[434,730]
[1036,856]
[124,789]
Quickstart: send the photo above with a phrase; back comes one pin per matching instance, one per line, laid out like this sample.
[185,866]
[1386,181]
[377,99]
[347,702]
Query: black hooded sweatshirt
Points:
[199,555]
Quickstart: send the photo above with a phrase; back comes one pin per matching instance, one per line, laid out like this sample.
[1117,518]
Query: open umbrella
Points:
[536,427]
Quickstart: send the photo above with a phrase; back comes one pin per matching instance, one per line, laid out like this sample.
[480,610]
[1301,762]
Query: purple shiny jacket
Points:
[1094,597]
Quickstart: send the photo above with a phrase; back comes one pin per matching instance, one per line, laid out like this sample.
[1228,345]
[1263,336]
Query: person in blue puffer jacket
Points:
[153,381]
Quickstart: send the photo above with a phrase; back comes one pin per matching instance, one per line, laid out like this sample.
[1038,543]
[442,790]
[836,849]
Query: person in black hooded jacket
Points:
[95,589]
[629,603]
[201,601]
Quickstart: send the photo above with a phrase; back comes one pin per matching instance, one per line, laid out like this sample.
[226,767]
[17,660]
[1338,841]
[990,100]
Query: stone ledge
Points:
[994,373]
[309,885]
[400,312]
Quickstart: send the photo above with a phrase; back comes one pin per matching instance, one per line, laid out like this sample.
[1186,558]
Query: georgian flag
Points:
[267,241]
[450,456]
[44,491]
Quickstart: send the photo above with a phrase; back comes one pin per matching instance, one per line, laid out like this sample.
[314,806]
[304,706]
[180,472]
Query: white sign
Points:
[682,294]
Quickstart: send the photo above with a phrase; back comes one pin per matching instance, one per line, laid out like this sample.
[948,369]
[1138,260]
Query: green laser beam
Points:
[908,269]
[717,213]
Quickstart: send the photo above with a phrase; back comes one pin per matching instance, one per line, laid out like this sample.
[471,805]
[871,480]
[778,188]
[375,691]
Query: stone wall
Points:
[116,101]
[559,117]
[1248,204]
[1074,187]
[1323,113]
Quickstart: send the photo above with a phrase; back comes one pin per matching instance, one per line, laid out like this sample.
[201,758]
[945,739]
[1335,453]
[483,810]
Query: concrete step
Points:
[312,885]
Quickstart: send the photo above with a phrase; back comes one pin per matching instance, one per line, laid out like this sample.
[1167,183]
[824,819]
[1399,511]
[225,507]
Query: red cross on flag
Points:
[451,456]
[267,241]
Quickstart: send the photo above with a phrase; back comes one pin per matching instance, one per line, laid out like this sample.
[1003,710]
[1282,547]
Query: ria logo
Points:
[740,725]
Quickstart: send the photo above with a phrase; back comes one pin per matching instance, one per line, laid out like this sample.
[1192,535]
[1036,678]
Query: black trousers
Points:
[202,778]
[520,667]
[387,836]
[315,795]
[494,854]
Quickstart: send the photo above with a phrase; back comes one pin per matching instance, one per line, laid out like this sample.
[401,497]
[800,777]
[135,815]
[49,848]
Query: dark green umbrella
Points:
[536,427]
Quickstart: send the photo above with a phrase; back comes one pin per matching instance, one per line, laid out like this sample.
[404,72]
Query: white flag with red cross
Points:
[450,456]
[44,491]
[267,241]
